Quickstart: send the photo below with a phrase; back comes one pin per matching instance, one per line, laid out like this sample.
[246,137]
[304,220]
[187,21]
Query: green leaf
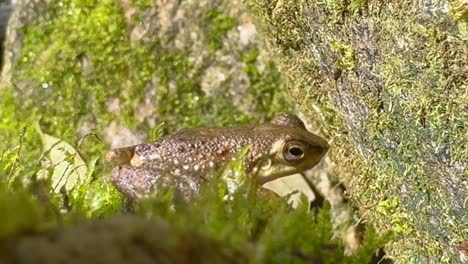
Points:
[64,166]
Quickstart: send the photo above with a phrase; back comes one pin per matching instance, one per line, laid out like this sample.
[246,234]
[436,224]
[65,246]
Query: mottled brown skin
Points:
[184,160]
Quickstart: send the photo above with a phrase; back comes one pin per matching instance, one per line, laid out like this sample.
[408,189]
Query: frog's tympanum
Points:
[185,159]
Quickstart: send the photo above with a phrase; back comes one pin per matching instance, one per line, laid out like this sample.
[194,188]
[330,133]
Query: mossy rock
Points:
[389,83]
[97,74]
[118,69]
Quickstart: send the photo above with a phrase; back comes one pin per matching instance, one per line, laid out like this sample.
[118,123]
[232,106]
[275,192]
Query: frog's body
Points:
[279,148]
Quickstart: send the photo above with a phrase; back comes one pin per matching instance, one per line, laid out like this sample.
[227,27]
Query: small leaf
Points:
[68,168]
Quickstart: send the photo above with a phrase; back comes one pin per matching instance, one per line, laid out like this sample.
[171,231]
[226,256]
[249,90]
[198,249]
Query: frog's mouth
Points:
[288,157]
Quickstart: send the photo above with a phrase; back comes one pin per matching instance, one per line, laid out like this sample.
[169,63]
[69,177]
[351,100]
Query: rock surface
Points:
[389,83]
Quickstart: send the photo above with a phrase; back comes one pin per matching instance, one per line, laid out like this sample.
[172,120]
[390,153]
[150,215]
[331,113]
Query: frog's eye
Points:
[293,151]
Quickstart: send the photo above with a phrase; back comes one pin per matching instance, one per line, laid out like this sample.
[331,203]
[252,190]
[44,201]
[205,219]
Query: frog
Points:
[186,159]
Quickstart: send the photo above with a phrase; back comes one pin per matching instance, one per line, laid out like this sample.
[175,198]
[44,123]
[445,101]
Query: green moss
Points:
[263,85]
[346,56]
[357,5]
[20,213]
[336,8]
[83,52]
[16,131]
[142,4]
[218,25]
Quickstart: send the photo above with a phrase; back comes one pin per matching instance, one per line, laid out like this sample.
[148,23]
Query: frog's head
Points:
[294,150]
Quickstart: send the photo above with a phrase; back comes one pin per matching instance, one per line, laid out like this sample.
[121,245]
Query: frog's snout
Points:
[120,156]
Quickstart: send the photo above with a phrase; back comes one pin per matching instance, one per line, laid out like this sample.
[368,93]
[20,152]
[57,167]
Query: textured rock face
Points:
[390,80]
